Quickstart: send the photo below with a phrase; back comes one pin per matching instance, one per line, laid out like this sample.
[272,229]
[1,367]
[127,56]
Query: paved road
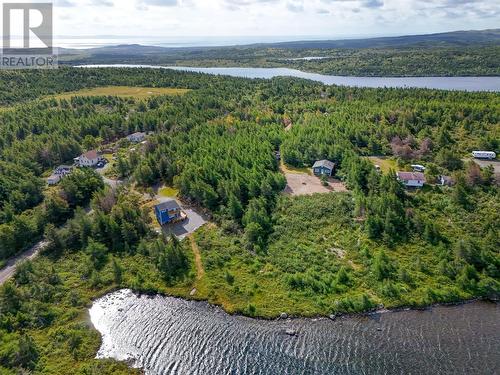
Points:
[7,272]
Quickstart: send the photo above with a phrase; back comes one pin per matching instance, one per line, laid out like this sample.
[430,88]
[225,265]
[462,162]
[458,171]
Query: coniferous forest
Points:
[263,251]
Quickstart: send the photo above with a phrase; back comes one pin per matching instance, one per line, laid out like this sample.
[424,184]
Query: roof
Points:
[447,179]
[407,176]
[324,163]
[168,205]
[91,154]
[137,134]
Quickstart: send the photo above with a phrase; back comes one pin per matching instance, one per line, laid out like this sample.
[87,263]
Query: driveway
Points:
[305,184]
[194,221]
[483,163]
[108,181]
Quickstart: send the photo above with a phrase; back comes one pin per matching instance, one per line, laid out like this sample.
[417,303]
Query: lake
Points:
[166,335]
[440,83]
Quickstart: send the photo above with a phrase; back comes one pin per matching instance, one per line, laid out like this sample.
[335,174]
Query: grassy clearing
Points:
[289,169]
[123,91]
[385,163]
[168,192]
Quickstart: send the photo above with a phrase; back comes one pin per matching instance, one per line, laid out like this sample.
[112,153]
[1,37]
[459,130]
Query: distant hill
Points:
[460,53]
[456,38]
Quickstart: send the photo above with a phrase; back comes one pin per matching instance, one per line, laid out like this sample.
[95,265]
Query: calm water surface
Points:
[441,83]
[166,335]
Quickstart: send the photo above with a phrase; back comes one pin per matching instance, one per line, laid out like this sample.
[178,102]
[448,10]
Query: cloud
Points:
[322,11]
[64,3]
[160,3]
[358,3]
[373,3]
[105,3]
[239,4]
[295,6]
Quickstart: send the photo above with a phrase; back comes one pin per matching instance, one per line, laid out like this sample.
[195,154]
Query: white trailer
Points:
[484,154]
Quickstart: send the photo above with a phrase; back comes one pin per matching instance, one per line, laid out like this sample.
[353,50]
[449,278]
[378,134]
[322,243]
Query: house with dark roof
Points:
[411,179]
[168,212]
[323,167]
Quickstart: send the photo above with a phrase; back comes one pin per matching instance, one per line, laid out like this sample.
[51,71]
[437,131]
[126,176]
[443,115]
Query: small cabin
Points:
[411,179]
[323,168]
[168,212]
[484,155]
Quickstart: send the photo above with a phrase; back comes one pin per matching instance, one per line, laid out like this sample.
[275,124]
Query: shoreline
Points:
[332,317]
[483,84]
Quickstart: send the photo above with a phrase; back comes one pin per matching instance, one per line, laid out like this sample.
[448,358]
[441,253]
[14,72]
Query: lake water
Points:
[166,335]
[441,83]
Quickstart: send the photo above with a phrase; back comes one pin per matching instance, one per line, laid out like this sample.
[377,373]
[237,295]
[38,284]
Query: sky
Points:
[275,18]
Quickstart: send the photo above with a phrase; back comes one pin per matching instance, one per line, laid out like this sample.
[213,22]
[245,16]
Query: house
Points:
[411,179]
[89,159]
[54,179]
[446,181]
[136,137]
[59,173]
[63,170]
[323,167]
[168,212]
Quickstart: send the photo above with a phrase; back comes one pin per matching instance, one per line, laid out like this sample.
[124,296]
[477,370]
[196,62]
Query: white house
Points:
[136,137]
[411,179]
[89,159]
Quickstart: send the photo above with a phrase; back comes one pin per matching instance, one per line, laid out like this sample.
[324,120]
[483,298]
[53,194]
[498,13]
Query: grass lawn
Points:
[123,91]
[385,163]
[168,192]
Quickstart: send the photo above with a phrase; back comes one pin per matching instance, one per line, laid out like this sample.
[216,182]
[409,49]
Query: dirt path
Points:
[197,258]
